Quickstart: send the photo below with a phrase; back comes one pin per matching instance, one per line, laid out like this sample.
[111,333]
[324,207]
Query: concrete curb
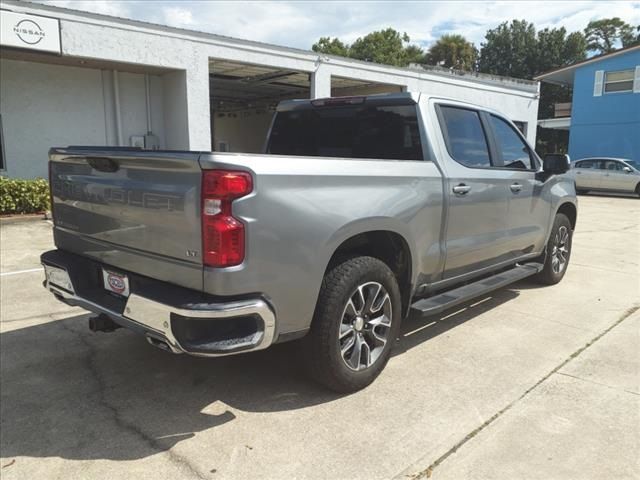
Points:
[25,218]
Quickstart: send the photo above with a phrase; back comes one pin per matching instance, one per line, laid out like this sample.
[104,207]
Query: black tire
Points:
[638,190]
[551,274]
[322,347]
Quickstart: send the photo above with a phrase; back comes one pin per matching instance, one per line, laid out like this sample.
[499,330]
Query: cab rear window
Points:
[353,131]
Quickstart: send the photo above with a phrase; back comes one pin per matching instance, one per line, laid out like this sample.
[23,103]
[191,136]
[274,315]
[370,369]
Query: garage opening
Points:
[243,98]
[345,87]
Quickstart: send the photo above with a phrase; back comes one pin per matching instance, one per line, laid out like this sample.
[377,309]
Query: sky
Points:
[300,23]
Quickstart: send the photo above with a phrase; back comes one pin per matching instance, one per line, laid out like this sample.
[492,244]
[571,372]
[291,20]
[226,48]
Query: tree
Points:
[630,36]
[385,46]
[510,50]
[556,49]
[331,46]
[453,51]
[517,51]
[413,54]
[604,35]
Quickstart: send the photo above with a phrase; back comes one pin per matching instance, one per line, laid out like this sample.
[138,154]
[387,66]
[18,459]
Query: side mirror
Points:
[556,163]
[626,169]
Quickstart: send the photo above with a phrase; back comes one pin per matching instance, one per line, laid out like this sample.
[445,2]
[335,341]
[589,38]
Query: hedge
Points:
[19,196]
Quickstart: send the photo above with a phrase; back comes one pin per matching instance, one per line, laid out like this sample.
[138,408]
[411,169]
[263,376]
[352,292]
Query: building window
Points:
[621,81]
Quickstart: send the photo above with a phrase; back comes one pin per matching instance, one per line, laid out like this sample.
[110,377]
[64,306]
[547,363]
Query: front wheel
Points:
[558,251]
[355,324]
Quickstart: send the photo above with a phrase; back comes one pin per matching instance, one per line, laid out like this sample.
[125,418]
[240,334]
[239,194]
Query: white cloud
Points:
[300,24]
[104,7]
[177,16]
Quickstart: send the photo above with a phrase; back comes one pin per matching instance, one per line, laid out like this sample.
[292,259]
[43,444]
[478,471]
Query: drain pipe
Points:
[147,88]
[151,141]
[116,102]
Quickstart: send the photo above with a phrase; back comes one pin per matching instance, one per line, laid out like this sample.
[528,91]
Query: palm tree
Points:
[453,51]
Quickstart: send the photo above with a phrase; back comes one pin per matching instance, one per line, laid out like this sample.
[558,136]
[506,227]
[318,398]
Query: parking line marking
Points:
[31,270]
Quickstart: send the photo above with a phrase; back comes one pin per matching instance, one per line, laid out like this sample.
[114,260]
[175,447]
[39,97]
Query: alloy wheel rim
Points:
[560,251]
[365,326]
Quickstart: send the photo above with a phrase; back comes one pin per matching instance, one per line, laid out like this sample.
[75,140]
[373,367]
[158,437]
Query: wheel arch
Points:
[570,211]
[388,246]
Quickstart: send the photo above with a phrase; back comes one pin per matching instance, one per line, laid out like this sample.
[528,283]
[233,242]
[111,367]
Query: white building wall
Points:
[176,110]
[32,95]
[187,53]
[246,132]
[45,105]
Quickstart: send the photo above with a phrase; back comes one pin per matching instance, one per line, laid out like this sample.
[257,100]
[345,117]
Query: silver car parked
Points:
[606,174]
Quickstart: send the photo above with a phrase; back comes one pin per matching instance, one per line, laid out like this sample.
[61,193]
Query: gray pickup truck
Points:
[361,211]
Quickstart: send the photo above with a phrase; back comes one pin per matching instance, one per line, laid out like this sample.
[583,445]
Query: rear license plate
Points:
[117,283]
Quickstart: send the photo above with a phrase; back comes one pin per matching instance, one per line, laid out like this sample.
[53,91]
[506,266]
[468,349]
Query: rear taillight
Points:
[223,236]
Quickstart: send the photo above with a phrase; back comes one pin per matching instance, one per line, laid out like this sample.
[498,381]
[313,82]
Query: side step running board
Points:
[451,298]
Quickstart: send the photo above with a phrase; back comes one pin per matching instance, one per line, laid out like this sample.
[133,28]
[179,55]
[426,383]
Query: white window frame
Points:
[606,82]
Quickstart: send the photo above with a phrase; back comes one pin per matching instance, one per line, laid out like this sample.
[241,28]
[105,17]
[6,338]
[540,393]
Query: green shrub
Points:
[23,196]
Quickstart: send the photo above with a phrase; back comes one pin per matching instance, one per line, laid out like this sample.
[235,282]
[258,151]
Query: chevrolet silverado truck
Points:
[361,211]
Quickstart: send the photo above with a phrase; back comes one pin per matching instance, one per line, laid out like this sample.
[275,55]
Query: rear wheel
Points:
[638,189]
[558,251]
[355,324]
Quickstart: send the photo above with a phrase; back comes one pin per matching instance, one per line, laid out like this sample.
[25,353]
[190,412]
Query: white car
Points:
[606,174]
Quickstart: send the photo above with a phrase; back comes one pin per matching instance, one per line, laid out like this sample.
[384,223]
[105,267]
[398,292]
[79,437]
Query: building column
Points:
[321,82]
[198,100]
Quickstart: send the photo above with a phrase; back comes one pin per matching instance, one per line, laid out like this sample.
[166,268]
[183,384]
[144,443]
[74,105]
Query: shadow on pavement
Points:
[70,393]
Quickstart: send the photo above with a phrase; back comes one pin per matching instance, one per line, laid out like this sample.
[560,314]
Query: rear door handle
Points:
[461,189]
[515,187]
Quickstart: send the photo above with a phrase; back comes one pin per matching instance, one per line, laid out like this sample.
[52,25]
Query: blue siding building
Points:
[605,110]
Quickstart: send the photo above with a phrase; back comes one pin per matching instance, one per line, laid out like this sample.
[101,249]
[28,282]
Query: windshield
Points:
[353,131]
[633,163]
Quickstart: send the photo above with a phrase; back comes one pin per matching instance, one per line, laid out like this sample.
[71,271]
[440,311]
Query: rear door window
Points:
[352,131]
[465,136]
[514,151]
[586,164]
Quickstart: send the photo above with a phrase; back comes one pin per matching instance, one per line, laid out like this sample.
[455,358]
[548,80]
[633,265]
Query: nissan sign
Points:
[32,32]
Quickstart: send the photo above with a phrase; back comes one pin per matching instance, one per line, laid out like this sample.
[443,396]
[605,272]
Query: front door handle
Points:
[515,187]
[461,189]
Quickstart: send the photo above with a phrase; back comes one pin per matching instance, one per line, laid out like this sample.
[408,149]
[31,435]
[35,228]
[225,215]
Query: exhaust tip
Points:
[161,344]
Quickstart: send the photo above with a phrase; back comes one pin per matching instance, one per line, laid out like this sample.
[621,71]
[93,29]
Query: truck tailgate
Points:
[120,205]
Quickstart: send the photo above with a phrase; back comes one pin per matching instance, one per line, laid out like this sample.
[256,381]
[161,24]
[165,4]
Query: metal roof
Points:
[507,83]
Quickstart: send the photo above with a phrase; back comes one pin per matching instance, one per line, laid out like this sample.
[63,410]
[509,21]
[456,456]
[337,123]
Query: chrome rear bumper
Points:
[154,319]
